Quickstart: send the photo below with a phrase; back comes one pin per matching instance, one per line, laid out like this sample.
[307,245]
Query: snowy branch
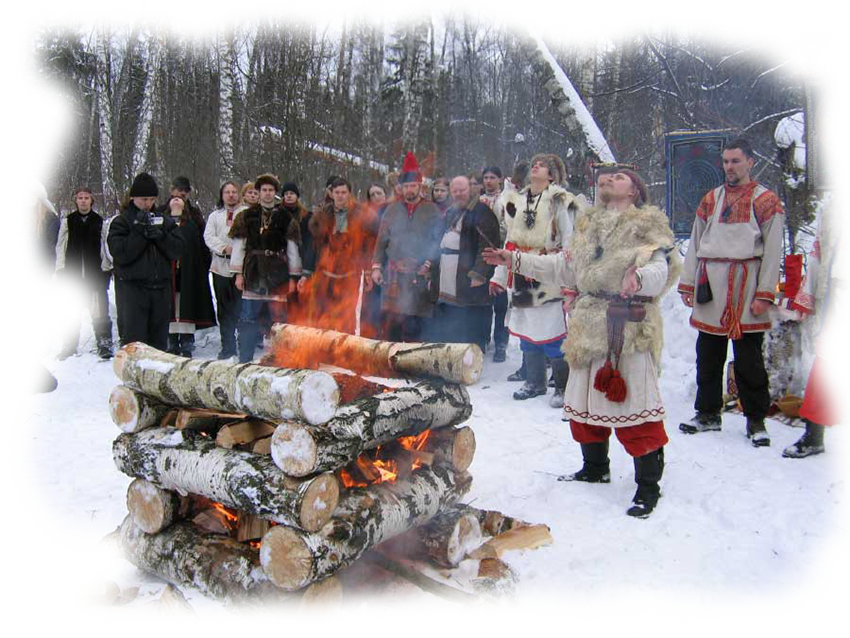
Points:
[770,117]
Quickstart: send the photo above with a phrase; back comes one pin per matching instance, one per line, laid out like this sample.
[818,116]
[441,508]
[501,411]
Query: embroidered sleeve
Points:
[766,206]
[706,206]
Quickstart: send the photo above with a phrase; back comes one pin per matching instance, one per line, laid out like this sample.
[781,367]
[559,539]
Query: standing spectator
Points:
[36,235]
[376,196]
[266,260]
[731,271]
[440,195]
[492,179]
[143,245]
[407,246]
[376,202]
[475,186]
[107,266]
[463,307]
[182,188]
[228,297]
[250,196]
[539,220]
[79,261]
[292,204]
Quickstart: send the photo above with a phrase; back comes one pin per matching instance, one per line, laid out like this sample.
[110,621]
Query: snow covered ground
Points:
[738,530]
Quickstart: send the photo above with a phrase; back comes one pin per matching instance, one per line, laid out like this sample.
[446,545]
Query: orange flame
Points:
[416,442]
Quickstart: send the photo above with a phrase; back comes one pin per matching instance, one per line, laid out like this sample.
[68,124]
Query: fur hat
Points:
[291,186]
[842,164]
[557,170]
[267,178]
[144,186]
[410,171]
[32,185]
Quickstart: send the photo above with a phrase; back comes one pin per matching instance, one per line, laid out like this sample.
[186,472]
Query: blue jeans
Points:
[551,350]
[249,327]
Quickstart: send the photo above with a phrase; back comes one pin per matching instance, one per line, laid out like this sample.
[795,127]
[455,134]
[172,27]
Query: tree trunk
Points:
[133,411]
[450,536]
[455,362]
[293,559]
[227,571]
[191,463]
[259,391]
[226,66]
[105,119]
[148,106]
[300,449]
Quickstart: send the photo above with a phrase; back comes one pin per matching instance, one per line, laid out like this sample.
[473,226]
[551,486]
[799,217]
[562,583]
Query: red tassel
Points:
[603,377]
[616,392]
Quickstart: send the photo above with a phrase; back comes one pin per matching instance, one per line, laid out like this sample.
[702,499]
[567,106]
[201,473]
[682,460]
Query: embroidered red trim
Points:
[537,343]
[686,288]
[719,330]
[604,418]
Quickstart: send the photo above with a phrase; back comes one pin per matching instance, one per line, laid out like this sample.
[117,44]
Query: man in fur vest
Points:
[621,260]
[343,238]
[78,257]
[266,260]
[729,279]
[825,295]
[408,245]
[539,220]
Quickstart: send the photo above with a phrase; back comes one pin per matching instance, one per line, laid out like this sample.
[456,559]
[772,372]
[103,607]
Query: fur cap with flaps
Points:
[557,170]
[32,185]
[267,178]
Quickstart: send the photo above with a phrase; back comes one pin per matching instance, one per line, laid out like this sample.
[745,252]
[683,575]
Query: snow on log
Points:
[300,449]
[497,585]
[227,571]
[292,559]
[152,508]
[571,107]
[300,346]
[260,391]
[450,536]
[132,411]
[190,463]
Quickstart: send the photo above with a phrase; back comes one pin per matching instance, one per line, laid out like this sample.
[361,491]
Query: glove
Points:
[152,233]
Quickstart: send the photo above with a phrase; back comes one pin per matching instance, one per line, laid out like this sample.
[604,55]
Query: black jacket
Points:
[38,252]
[137,258]
[191,278]
[82,252]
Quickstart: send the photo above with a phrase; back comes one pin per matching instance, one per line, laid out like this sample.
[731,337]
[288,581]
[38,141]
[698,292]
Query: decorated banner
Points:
[694,166]
[826,96]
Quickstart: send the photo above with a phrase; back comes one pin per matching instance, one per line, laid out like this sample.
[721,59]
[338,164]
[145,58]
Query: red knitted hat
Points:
[410,170]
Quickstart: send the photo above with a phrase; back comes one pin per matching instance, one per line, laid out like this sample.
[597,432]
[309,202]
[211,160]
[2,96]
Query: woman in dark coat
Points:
[192,299]
[36,235]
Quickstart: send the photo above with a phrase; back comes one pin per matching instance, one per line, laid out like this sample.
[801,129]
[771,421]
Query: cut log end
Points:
[319,398]
[124,408]
[463,449]
[118,361]
[293,449]
[286,559]
[151,508]
[319,502]
[473,364]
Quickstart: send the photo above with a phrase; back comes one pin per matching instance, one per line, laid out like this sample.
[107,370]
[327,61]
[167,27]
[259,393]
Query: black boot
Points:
[519,375]
[70,340]
[595,467]
[173,344]
[757,433]
[810,443]
[187,345]
[535,383]
[702,422]
[500,354]
[648,471]
[103,337]
[560,372]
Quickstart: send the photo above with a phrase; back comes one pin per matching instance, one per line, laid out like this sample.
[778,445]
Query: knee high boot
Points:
[560,371]
[648,471]
[596,467]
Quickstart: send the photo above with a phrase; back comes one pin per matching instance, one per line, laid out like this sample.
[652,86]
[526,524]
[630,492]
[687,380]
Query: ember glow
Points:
[385,463]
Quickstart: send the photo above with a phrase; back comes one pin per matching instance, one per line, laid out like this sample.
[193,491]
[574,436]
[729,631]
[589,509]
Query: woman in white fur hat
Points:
[35,236]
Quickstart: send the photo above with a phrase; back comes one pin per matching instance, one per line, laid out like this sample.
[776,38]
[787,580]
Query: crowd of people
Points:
[472,258]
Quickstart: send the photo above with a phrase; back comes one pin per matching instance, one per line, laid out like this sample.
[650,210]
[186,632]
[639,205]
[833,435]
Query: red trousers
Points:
[817,406]
[637,439]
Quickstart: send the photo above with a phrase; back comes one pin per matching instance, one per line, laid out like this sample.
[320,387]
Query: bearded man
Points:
[620,262]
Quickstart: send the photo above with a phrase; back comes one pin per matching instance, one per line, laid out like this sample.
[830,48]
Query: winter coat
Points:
[78,249]
[353,248]
[137,258]
[478,220]
[190,278]
[38,252]
[405,242]
[265,264]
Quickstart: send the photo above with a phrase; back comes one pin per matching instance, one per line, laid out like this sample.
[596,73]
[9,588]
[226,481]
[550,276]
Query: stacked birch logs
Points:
[257,453]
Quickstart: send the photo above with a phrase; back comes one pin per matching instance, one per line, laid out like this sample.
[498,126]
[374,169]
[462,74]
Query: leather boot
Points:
[596,468]
[103,336]
[648,471]
[70,340]
[535,382]
[757,433]
[810,443]
[519,375]
[560,372]
[173,344]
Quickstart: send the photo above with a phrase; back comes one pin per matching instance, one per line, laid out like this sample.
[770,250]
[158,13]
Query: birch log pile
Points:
[301,449]
[228,571]
[293,559]
[450,536]
[454,362]
[259,391]
[189,463]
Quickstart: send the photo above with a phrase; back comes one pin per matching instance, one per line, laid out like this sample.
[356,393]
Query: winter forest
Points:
[306,100]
